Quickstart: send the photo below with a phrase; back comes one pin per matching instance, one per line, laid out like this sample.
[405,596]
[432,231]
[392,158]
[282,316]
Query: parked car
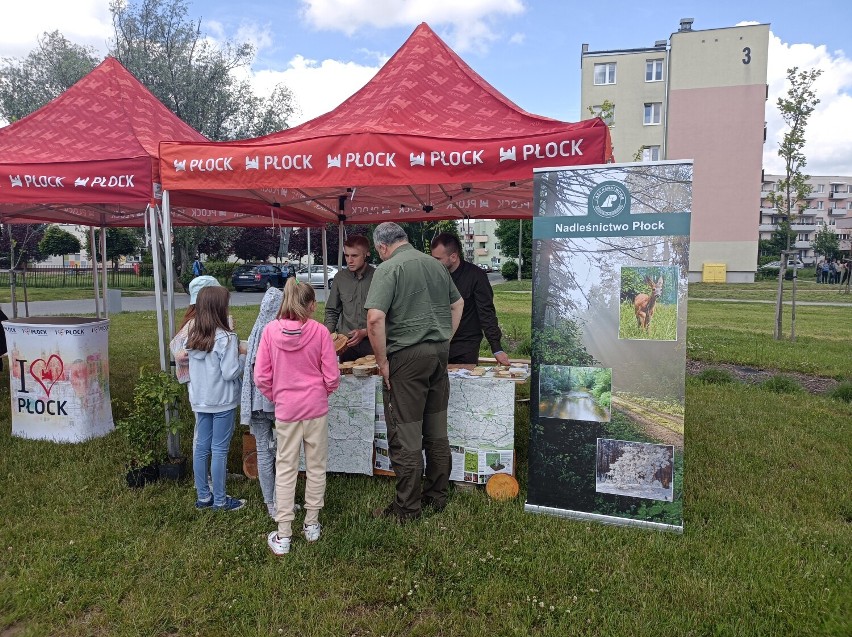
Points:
[776,265]
[260,276]
[315,277]
[484,266]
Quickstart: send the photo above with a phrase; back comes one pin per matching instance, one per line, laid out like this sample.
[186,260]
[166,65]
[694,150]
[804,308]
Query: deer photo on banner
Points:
[611,256]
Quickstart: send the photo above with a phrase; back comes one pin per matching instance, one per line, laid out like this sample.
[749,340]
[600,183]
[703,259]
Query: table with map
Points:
[481,427]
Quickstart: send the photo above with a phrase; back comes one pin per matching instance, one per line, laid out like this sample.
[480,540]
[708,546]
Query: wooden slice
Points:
[502,486]
[363,370]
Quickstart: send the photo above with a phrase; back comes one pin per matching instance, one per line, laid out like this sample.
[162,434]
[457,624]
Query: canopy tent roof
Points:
[426,138]
[90,157]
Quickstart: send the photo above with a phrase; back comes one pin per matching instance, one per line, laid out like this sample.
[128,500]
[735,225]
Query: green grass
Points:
[765,550]
[662,327]
[741,333]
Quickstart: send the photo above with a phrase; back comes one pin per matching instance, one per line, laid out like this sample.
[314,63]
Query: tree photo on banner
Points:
[611,251]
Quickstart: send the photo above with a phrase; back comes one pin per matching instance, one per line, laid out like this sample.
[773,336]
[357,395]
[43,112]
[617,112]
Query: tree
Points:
[796,108]
[256,244]
[507,234]
[421,233]
[120,242]
[826,243]
[58,242]
[169,53]
[51,68]
[25,244]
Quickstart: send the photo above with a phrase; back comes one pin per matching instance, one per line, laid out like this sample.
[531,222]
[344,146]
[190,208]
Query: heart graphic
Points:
[46,373]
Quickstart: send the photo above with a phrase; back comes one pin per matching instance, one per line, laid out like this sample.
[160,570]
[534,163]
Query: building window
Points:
[605,73]
[819,205]
[821,188]
[608,117]
[651,153]
[653,111]
[653,70]
[496,246]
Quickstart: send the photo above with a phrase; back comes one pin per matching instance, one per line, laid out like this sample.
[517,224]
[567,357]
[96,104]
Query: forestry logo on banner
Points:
[609,199]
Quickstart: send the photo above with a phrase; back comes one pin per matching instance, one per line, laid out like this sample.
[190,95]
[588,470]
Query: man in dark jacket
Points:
[479,315]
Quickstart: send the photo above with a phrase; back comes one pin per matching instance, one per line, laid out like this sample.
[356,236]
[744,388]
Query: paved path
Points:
[762,302]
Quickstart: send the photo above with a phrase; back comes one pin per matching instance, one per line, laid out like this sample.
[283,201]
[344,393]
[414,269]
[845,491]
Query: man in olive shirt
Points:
[413,309]
[479,315]
[344,311]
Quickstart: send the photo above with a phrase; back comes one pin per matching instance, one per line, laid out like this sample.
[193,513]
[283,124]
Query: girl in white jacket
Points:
[215,368]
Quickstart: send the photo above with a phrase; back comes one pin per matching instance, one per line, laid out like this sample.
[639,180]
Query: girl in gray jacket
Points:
[215,368]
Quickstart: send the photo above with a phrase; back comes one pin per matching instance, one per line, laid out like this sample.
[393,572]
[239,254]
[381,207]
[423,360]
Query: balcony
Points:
[802,245]
[837,212]
[767,227]
[835,194]
[480,238]
[765,193]
[810,212]
[481,252]
[814,195]
[768,211]
[804,227]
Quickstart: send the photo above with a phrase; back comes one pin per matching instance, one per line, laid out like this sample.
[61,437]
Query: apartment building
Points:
[699,95]
[480,243]
[828,205]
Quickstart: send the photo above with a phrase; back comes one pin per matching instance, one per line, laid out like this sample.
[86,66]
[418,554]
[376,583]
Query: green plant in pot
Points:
[145,427]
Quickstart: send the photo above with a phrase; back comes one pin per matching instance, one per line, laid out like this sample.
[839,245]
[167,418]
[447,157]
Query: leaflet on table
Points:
[477,465]
[382,458]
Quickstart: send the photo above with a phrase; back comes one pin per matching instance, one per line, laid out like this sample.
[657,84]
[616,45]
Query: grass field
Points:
[806,290]
[765,551]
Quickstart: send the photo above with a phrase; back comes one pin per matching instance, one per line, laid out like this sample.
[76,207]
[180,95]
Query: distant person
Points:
[197,266]
[215,367]
[824,269]
[479,315]
[413,310]
[296,369]
[344,311]
[256,410]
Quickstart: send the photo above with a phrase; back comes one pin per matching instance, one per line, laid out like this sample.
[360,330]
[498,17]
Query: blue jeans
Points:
[210,446]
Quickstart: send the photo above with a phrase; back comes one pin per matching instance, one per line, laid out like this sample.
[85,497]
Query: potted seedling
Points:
[145,427]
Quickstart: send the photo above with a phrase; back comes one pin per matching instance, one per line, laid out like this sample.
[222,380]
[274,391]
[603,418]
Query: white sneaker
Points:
[312,532]
[278,545]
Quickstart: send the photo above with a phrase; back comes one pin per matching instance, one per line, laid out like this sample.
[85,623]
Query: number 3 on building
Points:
[747,55]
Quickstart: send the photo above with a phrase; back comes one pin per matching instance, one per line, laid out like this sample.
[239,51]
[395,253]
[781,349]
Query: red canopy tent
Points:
[426,138]
[90,157]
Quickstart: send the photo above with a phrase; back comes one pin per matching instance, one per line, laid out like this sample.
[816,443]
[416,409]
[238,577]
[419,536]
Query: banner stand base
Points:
[602,519]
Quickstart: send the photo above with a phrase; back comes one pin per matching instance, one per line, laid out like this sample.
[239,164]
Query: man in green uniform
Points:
[344,310]
[413,310]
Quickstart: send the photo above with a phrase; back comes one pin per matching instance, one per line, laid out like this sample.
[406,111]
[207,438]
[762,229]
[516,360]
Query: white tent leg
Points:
[158,286]
[169,265]
[104,268]
[94,256]
[325,261]
[340,245]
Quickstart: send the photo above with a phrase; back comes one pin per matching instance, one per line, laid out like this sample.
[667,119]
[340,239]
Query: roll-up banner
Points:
[610,271]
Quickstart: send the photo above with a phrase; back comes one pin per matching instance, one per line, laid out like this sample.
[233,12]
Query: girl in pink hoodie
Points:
[296,368]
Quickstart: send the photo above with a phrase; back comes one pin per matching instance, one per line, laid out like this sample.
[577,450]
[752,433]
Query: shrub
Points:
[781,385]
[842,392]
[715,377]
[509,270]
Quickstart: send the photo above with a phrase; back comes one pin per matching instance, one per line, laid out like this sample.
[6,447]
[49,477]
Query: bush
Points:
[715,377]
[509,270]
[222,270]
[842,392]
[781,385]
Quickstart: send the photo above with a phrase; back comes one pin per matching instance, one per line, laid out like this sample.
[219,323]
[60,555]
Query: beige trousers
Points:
[290,436]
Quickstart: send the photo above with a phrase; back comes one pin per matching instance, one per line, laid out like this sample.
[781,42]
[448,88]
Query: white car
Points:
[315,278]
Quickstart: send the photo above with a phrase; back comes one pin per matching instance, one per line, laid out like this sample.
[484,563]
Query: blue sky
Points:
[529,50]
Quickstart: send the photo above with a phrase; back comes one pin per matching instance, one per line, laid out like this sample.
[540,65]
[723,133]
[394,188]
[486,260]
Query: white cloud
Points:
[469,24]
[517,38]
[86,22]
[317,86]
[828,133]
